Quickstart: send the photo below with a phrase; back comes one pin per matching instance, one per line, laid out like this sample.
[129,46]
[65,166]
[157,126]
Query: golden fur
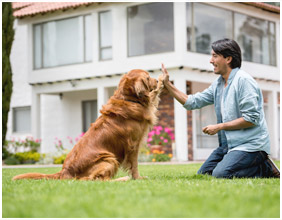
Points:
[113,141]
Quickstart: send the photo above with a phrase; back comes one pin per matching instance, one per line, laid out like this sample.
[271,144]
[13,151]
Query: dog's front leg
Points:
[134,166]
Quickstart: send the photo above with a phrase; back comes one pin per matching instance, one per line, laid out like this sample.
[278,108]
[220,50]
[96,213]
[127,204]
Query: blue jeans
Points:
[236,163]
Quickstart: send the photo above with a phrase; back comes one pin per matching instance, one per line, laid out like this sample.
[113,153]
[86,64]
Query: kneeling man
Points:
[241,127]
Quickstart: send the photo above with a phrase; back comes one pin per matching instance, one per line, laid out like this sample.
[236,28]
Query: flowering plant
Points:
[160,136]
[160,156]
[28,144]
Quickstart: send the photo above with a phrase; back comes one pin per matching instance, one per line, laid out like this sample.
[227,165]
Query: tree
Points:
[7,84]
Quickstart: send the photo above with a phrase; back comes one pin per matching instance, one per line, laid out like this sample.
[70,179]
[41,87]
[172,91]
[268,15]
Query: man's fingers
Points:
[164,69]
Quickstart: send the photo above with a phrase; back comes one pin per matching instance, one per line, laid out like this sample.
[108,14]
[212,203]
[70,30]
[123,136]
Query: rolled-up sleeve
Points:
[249,101]
[200,99]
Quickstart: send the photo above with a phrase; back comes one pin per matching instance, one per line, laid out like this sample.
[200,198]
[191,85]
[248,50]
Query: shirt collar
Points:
[231,76]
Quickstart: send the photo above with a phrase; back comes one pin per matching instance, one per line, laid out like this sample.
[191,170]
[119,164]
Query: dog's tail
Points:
[37,176]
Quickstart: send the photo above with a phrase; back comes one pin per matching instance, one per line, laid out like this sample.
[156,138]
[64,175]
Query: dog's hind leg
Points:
[104,169]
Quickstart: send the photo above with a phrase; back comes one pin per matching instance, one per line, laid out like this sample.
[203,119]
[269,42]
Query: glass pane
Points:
[37,47]
[89,109]
[272,46]
[189,15]
[210,24]
[88,38]
[106,54]
[251,35]
[21,120]
[63,42]
[206,116]
[105,29]
[150,28]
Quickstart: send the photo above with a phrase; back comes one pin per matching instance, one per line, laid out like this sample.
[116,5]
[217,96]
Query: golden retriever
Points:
[113,141]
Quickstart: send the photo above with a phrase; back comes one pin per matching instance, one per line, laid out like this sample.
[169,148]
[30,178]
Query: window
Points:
[89,113]
[21,120]
[256,38]
[204,118]
[206,24]
[105,33]
[63,42]
[150,28]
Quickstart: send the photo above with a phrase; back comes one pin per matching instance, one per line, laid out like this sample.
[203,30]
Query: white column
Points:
[273,123]
[180,120]
[102,97]
[35,115]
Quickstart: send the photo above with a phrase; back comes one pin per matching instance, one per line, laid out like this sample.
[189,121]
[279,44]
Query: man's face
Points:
[219,63]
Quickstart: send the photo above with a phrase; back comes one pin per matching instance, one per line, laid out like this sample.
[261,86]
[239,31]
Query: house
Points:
[67,60]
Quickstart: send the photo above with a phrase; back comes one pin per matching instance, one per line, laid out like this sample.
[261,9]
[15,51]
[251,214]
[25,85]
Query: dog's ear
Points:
[141,88]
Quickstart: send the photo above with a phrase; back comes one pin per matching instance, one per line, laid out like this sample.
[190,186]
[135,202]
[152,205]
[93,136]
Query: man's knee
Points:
[221,173]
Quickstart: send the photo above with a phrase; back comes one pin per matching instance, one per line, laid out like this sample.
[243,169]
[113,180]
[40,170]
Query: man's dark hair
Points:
[228,48]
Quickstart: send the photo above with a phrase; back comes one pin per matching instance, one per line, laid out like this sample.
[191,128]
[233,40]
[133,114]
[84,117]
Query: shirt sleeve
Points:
[200,99]
[249,101]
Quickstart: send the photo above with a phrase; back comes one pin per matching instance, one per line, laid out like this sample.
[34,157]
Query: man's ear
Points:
[229,59]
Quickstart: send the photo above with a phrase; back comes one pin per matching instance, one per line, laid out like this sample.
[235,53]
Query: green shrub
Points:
[28,157]
[60,159]
[12,160]
[159,156]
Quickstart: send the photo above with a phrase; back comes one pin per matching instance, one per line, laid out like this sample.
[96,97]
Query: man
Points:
[242,131]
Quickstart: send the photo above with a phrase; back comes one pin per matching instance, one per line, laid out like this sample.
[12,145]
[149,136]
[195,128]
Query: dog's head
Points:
[137,84]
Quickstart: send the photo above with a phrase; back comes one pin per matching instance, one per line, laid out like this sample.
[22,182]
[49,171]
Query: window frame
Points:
[28,107]
[193,46]
[99,28]
[127,28]
[41,39]
[83,115]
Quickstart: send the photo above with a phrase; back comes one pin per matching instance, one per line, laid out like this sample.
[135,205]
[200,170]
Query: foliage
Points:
[30,154]
[28,144]
[12,160]
[60,159]
[171,191]
[7,83]
[160,136]
[29,157]
[160,156]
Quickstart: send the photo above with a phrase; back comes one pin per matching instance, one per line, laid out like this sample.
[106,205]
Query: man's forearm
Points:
[236,124]
[178,95]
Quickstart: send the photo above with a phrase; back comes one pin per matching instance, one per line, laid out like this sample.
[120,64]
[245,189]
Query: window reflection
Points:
[150,29]
[206,24]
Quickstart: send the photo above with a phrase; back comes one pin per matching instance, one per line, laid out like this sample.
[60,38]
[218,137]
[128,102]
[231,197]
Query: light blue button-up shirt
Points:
[241,98]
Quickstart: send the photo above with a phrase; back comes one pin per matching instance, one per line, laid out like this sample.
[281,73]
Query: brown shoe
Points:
[275,170]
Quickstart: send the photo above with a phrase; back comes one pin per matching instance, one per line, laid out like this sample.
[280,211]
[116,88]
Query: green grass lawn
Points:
[170,191]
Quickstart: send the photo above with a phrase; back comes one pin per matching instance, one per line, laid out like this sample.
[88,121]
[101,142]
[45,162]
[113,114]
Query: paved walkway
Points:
[60,165]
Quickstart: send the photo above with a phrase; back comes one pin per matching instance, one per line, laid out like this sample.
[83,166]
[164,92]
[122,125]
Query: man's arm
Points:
[236,124]
[177,94]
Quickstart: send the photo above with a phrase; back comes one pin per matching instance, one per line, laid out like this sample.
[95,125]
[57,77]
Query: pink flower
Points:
[165,140]
[167,130]
[76,139]
[161,138]
[149,139]
[158,133]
